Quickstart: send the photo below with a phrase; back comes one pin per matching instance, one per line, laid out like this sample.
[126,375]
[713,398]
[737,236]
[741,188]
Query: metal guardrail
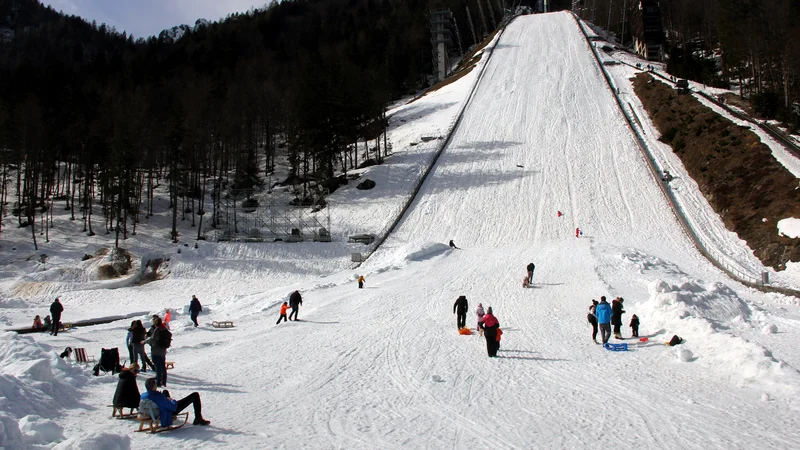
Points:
[712,255]
[450,129]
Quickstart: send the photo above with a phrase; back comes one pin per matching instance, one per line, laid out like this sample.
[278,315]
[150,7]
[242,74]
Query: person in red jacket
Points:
[490,326]
[284,307]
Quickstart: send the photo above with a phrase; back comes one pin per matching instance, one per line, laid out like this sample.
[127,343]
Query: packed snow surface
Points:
[384,366]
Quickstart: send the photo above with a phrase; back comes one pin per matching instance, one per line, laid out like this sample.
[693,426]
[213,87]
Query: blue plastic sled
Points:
[616,347]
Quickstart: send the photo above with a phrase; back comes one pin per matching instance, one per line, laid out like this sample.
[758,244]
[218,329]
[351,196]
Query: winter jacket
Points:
[592,317]
[480,312]
[138,335]
[634,322]
[283,309]
[155,348]
[603,312]
[195,307]
[361,279]
[129,338]
[295,299]
[490,321]
[461,305]
[127,393]
[165,406]
[616,312]
[55,310]
[531,267]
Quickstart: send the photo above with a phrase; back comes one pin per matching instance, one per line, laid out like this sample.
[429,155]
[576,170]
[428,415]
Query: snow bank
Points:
[34,385]
[789,227]
[106,441]
[702,315]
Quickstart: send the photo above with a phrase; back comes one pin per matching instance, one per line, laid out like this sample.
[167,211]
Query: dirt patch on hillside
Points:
[737,173]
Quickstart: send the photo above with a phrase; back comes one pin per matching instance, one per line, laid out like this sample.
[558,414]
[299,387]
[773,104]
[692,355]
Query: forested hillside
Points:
[90,114]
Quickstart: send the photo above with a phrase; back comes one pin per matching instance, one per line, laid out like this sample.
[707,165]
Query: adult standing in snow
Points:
[480,313]
[129,342]
[55,310]
[531,267]
[295,300]
[603,313]
[616,316]
[490,326]
[592,318]
[127,393]
[158,350]
[361,281]
[194,309]
[460,308]
[167,406]
[137,340]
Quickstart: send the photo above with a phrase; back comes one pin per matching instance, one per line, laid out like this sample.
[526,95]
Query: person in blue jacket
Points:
[167,406]
[603,313]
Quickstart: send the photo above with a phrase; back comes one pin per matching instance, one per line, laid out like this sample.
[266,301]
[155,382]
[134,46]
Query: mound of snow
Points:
[789,227]
[684,354]
[769,329]
[34,384]
[37,430]
[106,441]
[701,314]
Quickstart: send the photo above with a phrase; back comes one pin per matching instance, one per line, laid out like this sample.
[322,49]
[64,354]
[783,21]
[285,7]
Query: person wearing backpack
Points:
[159,343]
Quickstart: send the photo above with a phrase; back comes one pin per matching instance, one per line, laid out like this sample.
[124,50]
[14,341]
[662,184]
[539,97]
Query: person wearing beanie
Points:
[167,407]
[55,310]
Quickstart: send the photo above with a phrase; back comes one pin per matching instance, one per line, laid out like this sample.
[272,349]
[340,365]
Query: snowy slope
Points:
[384,367]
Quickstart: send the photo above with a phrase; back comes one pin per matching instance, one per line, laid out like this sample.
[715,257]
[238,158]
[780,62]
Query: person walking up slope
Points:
[195,308]
[490,326]
[295,300]
[603,313]
[460,308]
[531,267]
[361,281]
[284,307]
[55,310]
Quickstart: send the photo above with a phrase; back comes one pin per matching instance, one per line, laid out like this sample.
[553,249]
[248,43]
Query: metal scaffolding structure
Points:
[277,221]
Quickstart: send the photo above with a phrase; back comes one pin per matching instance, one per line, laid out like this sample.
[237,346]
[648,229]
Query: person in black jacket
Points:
[460,308]
[531,267]
[55,310]
[635,325]
[616,316]
[295,300]
[127,393]
[195,308]
[592,318]
[137,340]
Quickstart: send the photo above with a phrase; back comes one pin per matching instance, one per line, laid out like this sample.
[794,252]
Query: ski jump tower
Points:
[443,26]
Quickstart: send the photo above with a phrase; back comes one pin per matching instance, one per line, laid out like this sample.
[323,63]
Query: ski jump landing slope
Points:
[541,135]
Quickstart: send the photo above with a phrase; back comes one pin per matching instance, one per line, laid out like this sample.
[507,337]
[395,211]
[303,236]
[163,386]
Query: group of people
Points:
[488,325]
[127,396]
[605,316]
[295,300]
[51,325]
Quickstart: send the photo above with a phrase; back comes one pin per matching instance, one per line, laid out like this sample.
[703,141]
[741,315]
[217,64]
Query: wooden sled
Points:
[119,412]
[169,365]
[222,324]
[154,428]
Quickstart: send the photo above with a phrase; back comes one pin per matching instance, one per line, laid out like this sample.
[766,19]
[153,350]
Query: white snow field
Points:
[384,367]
